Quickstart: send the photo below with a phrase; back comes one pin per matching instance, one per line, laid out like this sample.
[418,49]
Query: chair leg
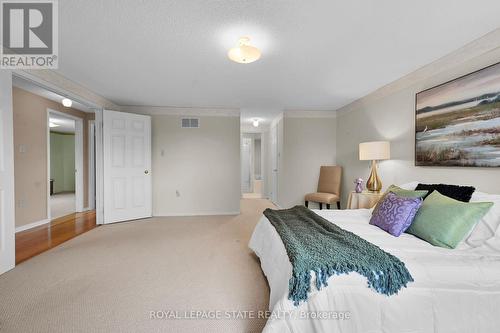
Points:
[338,204]
[320,206]
[307,204]
[327,206]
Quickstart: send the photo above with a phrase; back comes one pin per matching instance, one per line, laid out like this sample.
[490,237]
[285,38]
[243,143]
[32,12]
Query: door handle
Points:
[146,172]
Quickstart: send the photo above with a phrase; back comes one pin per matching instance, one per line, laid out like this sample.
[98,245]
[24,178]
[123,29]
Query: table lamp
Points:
[374,151]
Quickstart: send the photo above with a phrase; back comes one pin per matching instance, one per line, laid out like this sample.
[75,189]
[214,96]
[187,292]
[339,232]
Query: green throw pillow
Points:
[402,193]
[406,193]
[444,222]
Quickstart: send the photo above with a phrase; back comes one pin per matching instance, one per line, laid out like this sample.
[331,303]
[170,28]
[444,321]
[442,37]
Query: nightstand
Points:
[364,199]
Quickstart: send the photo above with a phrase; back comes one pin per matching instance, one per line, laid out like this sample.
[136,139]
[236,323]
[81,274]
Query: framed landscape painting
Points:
[458,123]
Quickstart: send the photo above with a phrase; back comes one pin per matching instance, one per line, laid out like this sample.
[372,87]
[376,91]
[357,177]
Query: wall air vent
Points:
[190,123]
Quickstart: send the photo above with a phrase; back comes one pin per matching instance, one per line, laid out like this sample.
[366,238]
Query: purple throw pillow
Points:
[395,214]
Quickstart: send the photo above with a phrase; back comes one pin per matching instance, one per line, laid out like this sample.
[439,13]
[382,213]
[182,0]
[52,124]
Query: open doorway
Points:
[259,153]
[64,149]
[251,165]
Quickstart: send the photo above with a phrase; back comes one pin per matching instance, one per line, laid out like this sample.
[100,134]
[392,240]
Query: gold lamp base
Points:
[373,183]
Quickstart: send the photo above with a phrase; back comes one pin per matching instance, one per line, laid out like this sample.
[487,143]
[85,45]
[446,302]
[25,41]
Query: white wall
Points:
[202,164]
[265,172]
[257,158]
[389,115]
[307,144]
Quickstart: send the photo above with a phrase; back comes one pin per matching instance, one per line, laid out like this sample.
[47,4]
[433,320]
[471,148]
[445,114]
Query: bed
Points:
[454,290]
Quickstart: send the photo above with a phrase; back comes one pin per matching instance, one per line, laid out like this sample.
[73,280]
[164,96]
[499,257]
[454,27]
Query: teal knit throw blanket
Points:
[314,244]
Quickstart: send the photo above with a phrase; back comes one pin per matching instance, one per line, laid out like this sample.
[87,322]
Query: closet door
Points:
[127,166]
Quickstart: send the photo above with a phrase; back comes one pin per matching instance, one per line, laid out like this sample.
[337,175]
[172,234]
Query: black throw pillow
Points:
[460,193]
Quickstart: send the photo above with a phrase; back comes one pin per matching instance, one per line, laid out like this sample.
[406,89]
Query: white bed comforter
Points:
[454,290]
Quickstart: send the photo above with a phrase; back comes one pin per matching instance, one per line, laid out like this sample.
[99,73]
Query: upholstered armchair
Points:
[328,187]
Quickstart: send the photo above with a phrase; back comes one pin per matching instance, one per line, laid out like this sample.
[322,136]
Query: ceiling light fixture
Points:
[67,102]
[255,123]
[244,53]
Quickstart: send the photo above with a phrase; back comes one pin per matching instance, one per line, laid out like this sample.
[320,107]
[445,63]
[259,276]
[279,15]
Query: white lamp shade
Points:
[375,150]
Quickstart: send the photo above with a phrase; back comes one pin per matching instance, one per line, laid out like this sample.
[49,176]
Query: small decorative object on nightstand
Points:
[359,185]
[364,199]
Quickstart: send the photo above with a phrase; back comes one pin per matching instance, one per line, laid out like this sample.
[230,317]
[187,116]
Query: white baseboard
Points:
[85,209]
[32,225]
[197,214]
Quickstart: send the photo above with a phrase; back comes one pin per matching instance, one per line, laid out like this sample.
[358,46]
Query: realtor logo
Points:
[29,34]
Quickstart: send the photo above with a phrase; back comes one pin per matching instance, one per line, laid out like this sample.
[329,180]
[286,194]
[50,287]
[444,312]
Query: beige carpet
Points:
[251,196]
[110,278]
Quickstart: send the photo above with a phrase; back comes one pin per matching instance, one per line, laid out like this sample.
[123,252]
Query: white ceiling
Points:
[65,124]
[317,55]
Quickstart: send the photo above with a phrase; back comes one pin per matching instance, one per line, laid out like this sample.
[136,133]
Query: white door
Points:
[7,224]
[127,166]
[91,151]
[274,164]
[79,165]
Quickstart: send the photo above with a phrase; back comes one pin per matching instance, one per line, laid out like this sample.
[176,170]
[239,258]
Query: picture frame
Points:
[457,123]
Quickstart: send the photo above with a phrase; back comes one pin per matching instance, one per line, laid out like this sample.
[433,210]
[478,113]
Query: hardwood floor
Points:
[34,241]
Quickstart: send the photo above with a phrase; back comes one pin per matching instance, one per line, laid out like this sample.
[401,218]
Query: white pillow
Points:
[488,225]
[409,186]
